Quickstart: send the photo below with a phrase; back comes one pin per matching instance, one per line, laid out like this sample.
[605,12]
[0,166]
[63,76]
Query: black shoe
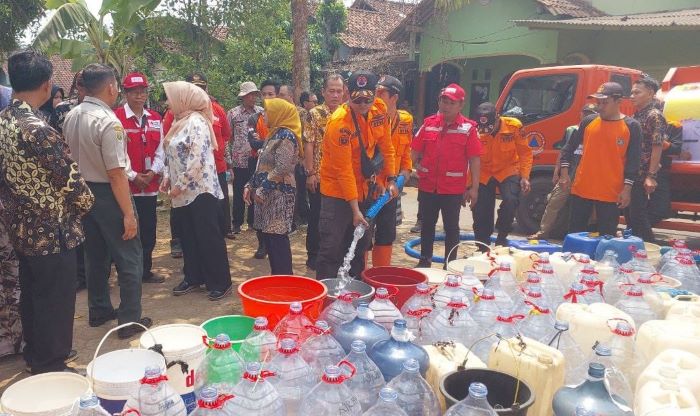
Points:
[184,288]
[502,241]
[132,330]
[311,264]
[260,253]
[153,278]
[236,229]
[95,322]
[417,228]
[424,263]
[72,356]
[219,294]
[175,249]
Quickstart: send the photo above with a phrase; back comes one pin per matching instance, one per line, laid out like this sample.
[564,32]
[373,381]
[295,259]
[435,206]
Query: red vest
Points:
[446,152]
[142,143]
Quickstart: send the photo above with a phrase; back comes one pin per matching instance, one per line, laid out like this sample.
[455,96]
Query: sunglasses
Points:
[362,100]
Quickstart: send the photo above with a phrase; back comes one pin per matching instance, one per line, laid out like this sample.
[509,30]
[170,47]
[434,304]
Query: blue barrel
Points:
[622,246]
[584,242]
[539,246]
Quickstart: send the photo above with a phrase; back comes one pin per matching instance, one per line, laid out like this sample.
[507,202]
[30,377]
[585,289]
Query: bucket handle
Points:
[461,243]
[104,338]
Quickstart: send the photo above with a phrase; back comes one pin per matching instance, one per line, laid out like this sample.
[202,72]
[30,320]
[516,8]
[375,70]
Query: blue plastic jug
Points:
[538,246]
[593,393]
[584,242]
[389,355]
[623,246]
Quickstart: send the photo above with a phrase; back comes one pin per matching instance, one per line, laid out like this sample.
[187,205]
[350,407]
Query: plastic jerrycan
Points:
[669,298]
[684,311]
[589,323]
[666,397]
[446,358]
[655,336]
[686,365]
[540,366]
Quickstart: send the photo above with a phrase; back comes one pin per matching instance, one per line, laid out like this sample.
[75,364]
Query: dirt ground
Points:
[194,308]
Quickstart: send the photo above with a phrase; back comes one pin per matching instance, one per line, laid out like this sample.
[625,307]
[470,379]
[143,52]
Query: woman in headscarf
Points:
[193,186]
[272,186]
[47,110]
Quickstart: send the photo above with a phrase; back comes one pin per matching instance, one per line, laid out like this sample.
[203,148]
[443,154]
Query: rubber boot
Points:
[381,256]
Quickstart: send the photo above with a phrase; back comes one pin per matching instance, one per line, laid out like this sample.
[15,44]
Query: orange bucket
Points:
[402,279]
[270,296]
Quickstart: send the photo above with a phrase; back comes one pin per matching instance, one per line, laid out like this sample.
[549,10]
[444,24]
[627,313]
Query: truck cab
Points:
[548,100]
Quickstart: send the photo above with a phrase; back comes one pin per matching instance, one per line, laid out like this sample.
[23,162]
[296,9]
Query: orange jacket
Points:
[401,136]
[341,174]
[506,154]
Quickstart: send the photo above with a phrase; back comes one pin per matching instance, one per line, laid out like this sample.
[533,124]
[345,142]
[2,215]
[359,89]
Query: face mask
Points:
[486,122]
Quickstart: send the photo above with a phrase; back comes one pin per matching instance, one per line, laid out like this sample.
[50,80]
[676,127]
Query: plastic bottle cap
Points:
[534,292]
[363,311]
[685,261]
[487,294]
[624,329]
[422,288]
[533,277]
[609,253]
[578,288]
[358,346]
[295,308]
[635,291]
[588,269]
[331,373]
[411,365]
[87,400]
[260,323]
[400,323]
[452,281]
[322,325]
[680,244]
[561,326]
[625,268]
[382,293]
[288,345]
[222,340]
[584,258]
[504,266]
[388,394]
[478,390]
[603,350]
[547,269]
[253,368]
[596,370]
[209,394]
[153,372]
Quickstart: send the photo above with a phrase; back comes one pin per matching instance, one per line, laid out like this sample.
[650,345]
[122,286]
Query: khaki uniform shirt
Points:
[96,140]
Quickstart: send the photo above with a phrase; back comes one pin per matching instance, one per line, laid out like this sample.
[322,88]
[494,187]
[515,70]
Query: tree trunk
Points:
[300,42]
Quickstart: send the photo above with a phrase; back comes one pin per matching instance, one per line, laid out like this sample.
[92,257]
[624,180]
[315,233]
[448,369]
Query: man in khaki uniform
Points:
[98,143]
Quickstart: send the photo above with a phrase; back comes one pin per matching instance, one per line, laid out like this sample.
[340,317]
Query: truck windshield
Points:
[535,98]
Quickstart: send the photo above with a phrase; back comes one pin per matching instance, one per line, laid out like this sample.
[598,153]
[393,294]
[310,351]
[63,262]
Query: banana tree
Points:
[75,33]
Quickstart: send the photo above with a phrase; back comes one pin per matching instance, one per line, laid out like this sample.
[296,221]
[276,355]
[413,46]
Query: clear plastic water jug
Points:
[390,354]
[633,303]
[321,349]
[331,397]
[485,309]
[88,405]
[385,312]
[686,272]
[613,289]
[368,379]
[475,404]
[506,278]
[640,262]
[616,380]
[260,344]
[539,320]
[294,323]
[155,397]
[293,376]
[416,398]
[341,310]
[211,403]
[451,324]
[578,293]
[362,327]
[576,368]
[504,298]
[449,289]
[416,310]
[221,368]
[386,405]
[254,395]
[676,245]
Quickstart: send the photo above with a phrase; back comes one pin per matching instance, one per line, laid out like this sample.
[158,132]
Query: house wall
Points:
[652,52]
[483,31]
[622,7]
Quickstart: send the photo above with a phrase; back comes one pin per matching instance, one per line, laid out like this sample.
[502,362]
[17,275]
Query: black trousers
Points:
[431,205]
[301,208]
[486,203]
[146,209]
[279,253]
[660,201]
[80,255]
[312,233]
[203,245]
[175,226]
[47,307]
[335,236]
[637,213]
[225,205]
[241,176]
[607,214]
[385,224]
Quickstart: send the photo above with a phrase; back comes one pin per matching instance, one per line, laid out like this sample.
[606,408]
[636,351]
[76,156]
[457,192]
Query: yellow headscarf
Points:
[281,113]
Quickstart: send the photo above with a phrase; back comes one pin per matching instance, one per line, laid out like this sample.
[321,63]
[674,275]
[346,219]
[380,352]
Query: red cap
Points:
[135,79]
[453,91]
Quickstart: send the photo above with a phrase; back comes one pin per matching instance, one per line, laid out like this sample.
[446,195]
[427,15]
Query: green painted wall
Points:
[652,52]
[489,32]
[622,7]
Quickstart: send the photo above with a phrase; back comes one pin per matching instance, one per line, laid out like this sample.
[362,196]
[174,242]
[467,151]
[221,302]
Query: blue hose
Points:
[411,251]
[382,200]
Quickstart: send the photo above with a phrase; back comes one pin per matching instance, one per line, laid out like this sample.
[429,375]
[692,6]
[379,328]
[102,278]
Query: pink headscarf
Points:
[184,100]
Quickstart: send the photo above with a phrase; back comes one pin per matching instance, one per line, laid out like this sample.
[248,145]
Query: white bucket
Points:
[49,394]
[115,375]
[184,350]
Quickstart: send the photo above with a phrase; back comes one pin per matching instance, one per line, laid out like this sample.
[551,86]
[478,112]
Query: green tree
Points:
[75,33]
[329,21]
[15,17]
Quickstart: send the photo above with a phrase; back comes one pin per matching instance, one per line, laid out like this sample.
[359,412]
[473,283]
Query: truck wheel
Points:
[532,205]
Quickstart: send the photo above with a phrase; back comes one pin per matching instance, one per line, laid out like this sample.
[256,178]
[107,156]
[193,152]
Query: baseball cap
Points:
[608,89]
[197,79]
[453,91]
[134,80]
[362,84]
[247,87]
[390,83]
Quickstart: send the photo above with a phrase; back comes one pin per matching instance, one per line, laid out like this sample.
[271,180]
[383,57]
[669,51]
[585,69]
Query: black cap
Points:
[390,83]
[362,84]
[608,89]
[197,79]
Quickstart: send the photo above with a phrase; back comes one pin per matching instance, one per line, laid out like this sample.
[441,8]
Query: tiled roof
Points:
[681,19]
[570,8]
[62,72]
[367,29]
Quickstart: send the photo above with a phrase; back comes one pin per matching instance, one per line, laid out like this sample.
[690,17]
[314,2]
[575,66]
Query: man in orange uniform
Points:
[609,164]
[506,162]
[401,124]
[357,136]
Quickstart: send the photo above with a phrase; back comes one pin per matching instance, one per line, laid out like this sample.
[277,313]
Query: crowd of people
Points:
[80,181]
